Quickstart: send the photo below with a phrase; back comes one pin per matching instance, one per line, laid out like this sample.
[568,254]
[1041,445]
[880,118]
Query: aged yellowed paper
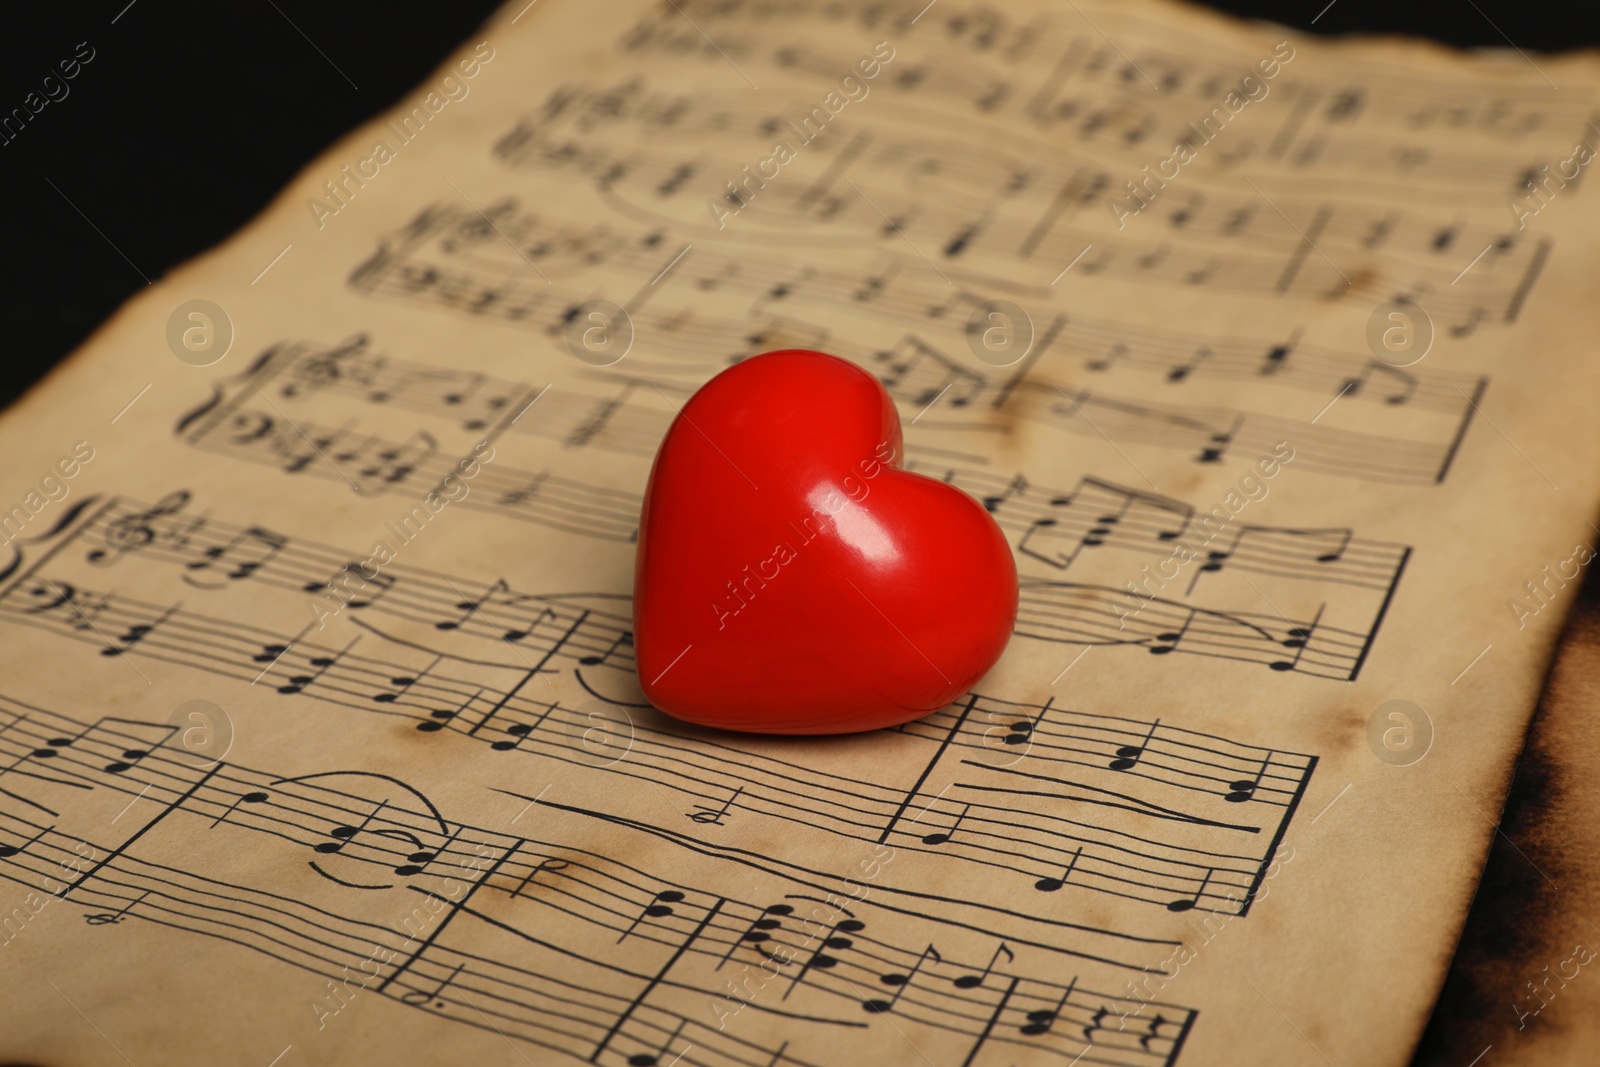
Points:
[320,737]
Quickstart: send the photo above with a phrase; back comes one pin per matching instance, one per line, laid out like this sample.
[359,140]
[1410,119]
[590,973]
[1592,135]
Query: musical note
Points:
[621,641]
[944,836]
[1017,485]
[136,633]
[474,605]
[130,756]
[248,551]
[973,981]
[551,865]
[532,625]
[102,918]
[254,797]
[1186,903]
[873,285]
[819,959]
[758,931]
[418,998]
[1243,789]
[1040,1021]
[1297,638]
[518,731]
[1105,362]
[1277,356]
[1403,384]
[403,683]
[707,816]
[1168,640]
[1051,885]
[659,909]
[298,683]
[417,862]
[343,835]
[340,584]
[1220,443]
[652,1059]
[7,851]
[1128,756]
[900,982]
[1183,370]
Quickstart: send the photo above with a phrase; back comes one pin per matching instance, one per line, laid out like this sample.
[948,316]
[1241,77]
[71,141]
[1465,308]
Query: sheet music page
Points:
[320,738]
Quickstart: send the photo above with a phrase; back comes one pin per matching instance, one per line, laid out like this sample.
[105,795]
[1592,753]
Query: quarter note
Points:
[900,983]
[1297,638]
[518,731]
[1169,640]
[771,919]
[343,835]
[1278,355]
[1183,370]
[469,608]
[820,960]
[417,861]
[1016,486]
[439,717]
[297,683]
[1245,788]
[530,627]
[1050,885]
[1128,756]
[944,836]
[659,908]
[256,797]
[134,634]
[1220,443]
[7,851]
[624,638]
[652,1059]
[1187,903]
[130,756]
[1113,354]
[404,682]
[1041,1020]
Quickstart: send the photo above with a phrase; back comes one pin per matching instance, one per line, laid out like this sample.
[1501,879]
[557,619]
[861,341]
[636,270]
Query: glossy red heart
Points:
[791,578]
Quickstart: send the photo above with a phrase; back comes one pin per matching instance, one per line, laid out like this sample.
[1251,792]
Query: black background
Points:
[190,118]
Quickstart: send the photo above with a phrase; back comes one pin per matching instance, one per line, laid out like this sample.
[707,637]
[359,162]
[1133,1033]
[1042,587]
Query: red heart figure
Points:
[791,578]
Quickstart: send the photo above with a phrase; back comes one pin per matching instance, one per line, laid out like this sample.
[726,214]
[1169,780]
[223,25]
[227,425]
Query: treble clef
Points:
[320,370]
[132,530]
